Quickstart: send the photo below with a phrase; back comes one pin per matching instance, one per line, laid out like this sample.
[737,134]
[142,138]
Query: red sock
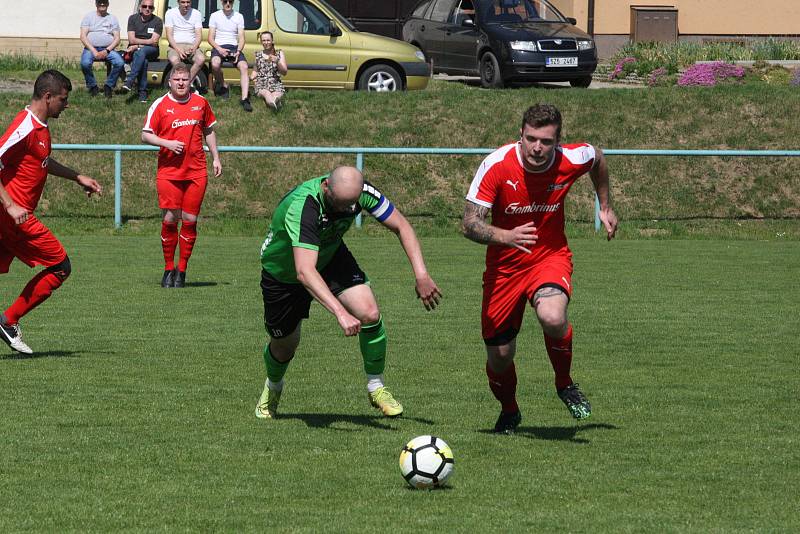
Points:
[38,289]
[188,237]
[504,387]
[560,353]
[169,242]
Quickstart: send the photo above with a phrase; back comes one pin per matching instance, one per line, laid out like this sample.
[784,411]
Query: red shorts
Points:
[505,296]
[184,195]
[31,242]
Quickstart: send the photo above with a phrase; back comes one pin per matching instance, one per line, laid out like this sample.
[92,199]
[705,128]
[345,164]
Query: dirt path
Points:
[15,86]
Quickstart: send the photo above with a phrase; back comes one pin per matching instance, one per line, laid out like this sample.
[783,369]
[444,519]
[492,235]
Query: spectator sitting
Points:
[226,37]
[184,27]
[100,36]
[144,31]
[270,66]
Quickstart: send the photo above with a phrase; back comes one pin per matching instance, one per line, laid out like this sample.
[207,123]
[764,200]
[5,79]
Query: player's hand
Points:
[349,324]
[101,54]
[523,237]
[182,53]
[132,48]
[609,220]
[17,213]
[90,186]
[428,292]
[217,166]
[174,146]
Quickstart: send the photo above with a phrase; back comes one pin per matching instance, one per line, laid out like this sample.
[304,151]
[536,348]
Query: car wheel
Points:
[586,81]
[491,77]
[380,79]
[200,81]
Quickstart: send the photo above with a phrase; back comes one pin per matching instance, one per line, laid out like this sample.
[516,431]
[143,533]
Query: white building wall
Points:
[54,18]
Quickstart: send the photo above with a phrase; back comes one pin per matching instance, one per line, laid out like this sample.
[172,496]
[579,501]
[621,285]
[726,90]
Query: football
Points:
[426,462]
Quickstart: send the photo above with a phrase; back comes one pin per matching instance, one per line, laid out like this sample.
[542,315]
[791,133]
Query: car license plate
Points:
[562,62]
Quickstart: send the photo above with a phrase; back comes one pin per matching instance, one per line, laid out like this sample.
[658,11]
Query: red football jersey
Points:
[181,121]
[24,154]
[516,197]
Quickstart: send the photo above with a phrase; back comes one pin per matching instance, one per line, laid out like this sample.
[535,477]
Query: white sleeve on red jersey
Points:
[580,154]
[483,189]
[15,139]
[153,119]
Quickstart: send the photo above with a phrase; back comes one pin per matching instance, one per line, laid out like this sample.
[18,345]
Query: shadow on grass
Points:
[434,488]
[205,284]
[326,420]
[47,354]
[558,433]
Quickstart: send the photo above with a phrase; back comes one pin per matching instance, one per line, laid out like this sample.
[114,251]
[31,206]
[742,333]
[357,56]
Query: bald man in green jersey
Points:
[304,258]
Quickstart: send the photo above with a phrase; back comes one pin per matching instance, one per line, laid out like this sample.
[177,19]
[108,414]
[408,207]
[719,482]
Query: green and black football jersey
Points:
[303,220]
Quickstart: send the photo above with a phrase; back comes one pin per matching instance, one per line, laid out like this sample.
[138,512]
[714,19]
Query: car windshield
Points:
[511,11]
[338,16]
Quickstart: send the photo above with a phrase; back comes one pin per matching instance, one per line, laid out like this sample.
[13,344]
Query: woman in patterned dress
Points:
[269,66]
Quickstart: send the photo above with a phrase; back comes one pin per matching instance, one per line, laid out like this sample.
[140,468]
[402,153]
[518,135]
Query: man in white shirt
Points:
[184,26]
[226,37]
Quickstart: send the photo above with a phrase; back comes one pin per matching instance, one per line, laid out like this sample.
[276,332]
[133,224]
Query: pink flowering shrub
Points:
[620,71]
[709,74]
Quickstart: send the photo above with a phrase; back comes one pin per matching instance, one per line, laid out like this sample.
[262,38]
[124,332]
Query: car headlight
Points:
[420,55]
[529,46]
[585,44]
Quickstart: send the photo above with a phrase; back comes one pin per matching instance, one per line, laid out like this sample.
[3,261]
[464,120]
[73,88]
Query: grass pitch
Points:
[137,411]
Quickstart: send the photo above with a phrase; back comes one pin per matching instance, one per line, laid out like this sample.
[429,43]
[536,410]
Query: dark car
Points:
[503,41]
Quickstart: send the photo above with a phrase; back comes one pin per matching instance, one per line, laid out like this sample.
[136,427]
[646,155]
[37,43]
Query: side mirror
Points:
[334,29]
[572,20]
[469,23]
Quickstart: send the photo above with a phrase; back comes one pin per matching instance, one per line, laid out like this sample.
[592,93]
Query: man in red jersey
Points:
[178,122]
[25,163]
[523,185]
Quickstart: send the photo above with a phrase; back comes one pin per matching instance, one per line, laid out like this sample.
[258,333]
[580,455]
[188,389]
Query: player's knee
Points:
[554,323]
[281,352]
[61,270]
[283,348]
[500,357]
[171,216]
[370,316]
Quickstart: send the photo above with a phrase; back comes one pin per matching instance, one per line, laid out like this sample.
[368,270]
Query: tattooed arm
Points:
[475,228]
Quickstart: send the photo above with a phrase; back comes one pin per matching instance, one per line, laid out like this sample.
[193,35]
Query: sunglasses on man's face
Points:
[146,7]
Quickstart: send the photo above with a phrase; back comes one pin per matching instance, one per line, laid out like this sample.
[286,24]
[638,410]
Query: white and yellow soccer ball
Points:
[426,462]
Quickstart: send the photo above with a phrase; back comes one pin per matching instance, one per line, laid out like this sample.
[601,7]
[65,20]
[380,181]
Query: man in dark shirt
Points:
[144,31]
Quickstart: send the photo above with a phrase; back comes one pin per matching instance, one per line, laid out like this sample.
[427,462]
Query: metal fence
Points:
[360,152]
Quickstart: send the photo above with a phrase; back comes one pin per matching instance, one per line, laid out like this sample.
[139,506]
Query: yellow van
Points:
[323,49]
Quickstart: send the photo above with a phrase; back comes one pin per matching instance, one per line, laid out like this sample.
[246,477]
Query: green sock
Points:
[372,339]
[275,369]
